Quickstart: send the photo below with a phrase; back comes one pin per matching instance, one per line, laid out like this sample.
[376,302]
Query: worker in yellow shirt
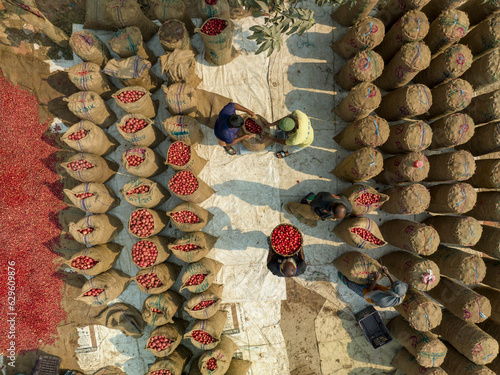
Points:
[298,130]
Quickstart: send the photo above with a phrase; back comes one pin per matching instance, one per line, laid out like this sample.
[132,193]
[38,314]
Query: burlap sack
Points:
[478,10]
[133,71]
[174,363]
[220,9]
[174,35]
[167,273]
[209,106]
[489,242]
[449,65]
[304,213]
[493,296]
[150,136]
[486,139]
[419,273]
[101,172]
[485,108]
[456,363]
[212,326]
[464,267]
[450,97]
[492,277]
[156,195]
[365,66]
[428,350]
[393,10]
[362,100]
[96,141]
[468,339]
[123,317]
[106,228]
[160,220]
[88,76]
[406,102]
[407,200]
[165,10]
[344,230]
[168,302]
[447,29]
[487,206]
[422,313]
[103,198]
[88,105]
[408,137]
[452,130]
[456,230]
[451,166]
[89,47]
[347,14]
[124,13]
[411,236]
[372,131]
[204,215]
[202,193]
[435,7]
[358,195]
[181,99]
[114,282]
[406,362]
[404,168]
[359,166]
[172,331]
[492,328]
[455,198]
[206,266]
[152,165]
[144,106]
[214,293]
[411,59]
[179,67]
[365,34]
[238,367]
[96,17]
[461,301]
[205,242]
[106,255]
[484,71]
[183,128]
[161,245]
[219,48]
[412,27]
[484,37]
[357,267]
[222,353]
[128,42]
[195,164]
[255,143]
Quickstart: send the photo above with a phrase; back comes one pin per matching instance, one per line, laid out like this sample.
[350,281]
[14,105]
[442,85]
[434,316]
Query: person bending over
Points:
[286,266]
[228,125]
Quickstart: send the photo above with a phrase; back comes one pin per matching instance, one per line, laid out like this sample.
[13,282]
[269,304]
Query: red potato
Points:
[183,183]
[156,311]
[80,164]
[196,279]
[83,195]
[83,262]
[367,236]
[133,125]
[368,199]
[161,372]
[179,154]
[187,247]
[159,343]
[130,96]
[142,223]
[214,26]
[93,292]
[139,190]
[252,127]
[212,364]
[211,2]
[203,337]
[185,217]
[149,281]
[86,230]
[286,240]
[203,305]
[76,136]
[144,253]
[134,160]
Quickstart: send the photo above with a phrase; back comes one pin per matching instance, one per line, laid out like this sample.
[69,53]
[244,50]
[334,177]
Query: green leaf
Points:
[263,5]
[263,47]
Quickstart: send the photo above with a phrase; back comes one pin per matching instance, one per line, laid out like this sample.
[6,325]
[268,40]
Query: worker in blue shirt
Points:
[228,125]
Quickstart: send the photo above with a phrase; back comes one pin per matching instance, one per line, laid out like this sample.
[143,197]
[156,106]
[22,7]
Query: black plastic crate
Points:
[373,327]
[46,365]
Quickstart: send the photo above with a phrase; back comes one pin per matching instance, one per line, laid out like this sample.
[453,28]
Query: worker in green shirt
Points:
[298,130]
